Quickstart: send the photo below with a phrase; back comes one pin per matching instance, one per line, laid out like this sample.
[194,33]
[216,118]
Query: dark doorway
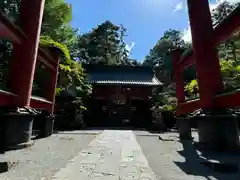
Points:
[141,114]
[135,113]
[119,115]
[97,114]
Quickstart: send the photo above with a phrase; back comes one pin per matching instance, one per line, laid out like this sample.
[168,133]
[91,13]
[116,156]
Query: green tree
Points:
[123,52]
[174,36]
[160,59]
[229,49]
[56,31]
[103,45]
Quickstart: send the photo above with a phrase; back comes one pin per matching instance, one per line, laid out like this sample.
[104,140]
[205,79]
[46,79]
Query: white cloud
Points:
[129,47]
[178,7]
[187,36]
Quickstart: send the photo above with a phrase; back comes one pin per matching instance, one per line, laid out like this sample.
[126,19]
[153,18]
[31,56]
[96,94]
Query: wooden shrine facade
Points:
[121,94]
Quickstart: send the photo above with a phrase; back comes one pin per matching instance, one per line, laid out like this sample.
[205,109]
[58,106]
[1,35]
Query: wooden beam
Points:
[21,79]
[41,104]
[229,26]
[186,61]
[222,32]
[226,100]
[47,64]
[188,106]
[10,31]
[49,58]
[6,98]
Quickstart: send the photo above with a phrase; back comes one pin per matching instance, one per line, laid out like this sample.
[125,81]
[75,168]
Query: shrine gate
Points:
[217,127]
[18,104]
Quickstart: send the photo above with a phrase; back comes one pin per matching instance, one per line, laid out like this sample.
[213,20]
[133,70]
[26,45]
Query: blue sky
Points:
[145,20]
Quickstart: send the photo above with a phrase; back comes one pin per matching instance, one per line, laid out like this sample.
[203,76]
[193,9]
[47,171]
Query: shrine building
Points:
[121,95]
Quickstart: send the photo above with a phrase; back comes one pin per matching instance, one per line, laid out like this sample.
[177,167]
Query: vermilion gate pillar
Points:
[217,128]
[52,82]
[178,77]
[25,54]
[205,53]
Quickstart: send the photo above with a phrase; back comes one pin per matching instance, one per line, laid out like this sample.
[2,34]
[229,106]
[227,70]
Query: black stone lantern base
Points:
[218,132]
[45,123]
[184,128]
[15,127]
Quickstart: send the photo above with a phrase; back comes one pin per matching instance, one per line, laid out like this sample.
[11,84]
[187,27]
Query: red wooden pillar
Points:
[25,54]
[205,53]
[52,82]
[178,77]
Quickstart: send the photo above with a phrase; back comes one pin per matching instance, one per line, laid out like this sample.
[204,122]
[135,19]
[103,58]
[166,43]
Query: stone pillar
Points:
[25,54]
[184,128]
[218,132]
[159,123]
[205,53]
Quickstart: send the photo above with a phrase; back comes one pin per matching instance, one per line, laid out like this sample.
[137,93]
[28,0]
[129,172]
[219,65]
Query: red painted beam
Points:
[47,57]
[6,98]
[47,64]
[41,104]
[222,32]
[186,61]
[231,25]
[52,81]
[10,31]
[188,106]
[229,100]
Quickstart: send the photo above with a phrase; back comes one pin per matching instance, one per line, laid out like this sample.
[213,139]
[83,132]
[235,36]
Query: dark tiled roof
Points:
[113,75]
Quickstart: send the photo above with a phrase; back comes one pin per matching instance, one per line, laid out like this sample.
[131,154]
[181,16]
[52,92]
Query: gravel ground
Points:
[169,161]
[46,156]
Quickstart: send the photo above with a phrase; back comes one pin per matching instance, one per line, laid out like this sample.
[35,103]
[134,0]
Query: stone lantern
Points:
[157,117]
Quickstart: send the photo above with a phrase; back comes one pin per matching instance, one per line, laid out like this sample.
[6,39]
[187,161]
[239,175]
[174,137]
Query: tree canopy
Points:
[105,44]
[160,58]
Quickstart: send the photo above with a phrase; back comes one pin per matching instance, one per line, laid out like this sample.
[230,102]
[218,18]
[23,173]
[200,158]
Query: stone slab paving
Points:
[171,160]
[113,155]
[45,157]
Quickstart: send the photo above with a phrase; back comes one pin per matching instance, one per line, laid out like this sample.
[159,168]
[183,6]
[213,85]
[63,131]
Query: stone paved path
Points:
[113,155]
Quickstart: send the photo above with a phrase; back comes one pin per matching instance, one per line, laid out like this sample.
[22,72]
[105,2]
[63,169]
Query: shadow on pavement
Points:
[3,167]
[207,164]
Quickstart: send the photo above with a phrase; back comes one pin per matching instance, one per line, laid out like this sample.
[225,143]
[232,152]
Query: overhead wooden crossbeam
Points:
[47,56]
[223,31]
[6,98]
[10,31]
[40,103]
[13,33]
[47,60]
[230,100]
